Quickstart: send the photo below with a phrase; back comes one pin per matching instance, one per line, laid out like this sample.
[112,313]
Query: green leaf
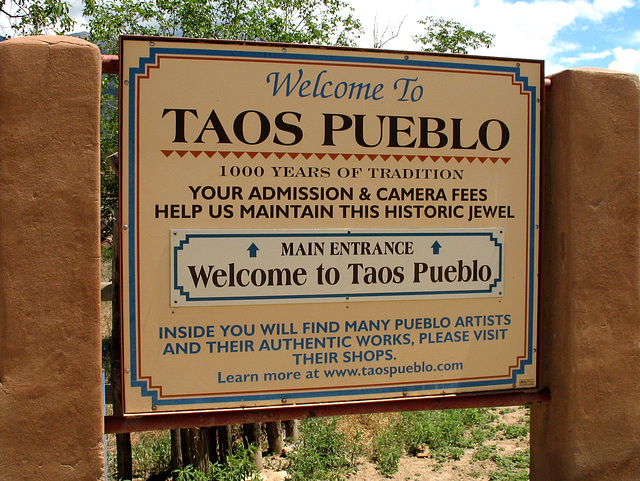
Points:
[443,35]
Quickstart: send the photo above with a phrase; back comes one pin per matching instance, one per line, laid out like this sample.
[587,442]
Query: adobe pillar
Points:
[590,322]
[51,421]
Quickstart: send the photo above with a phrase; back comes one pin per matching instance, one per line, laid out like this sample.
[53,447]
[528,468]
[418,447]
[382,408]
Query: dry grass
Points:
[366,427]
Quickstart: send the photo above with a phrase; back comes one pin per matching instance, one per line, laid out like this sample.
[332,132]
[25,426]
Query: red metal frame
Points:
[127,424]
[110,64]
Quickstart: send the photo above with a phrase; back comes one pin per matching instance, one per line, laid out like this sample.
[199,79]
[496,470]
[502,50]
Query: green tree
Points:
[108,159]
[35,17]
[293,21]
[443,35]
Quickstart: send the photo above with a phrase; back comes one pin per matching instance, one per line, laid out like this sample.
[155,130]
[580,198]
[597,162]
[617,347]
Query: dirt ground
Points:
[412,468]
[425,468]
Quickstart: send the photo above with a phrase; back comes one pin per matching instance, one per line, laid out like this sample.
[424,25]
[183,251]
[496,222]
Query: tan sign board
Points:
[308,225]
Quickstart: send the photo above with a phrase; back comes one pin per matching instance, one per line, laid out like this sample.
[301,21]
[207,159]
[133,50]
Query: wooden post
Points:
[195,448]
[275,437]
[225,442]
[292,430]
[253,435]
[176,450]
[212,437]
[124,457]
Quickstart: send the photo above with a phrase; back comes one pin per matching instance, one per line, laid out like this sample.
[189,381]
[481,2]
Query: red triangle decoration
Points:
[333,156]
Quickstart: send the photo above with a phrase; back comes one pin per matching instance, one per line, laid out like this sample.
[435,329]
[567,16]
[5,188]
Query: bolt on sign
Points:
[320,225]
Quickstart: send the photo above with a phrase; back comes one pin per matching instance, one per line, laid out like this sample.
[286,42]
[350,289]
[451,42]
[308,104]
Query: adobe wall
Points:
[590,321]
[51,424]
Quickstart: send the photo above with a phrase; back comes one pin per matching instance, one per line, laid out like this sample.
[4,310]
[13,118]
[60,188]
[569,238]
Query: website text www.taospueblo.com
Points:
[391,371]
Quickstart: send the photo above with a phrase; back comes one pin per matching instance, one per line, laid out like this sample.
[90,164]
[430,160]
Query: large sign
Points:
[306,225]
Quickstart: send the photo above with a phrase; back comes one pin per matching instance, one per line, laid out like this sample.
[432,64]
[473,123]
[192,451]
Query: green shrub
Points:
[151,453]
[444,432]
[239,467]
[482,433]
[323,454]
[387,450]
[511,468]
[189,473]
[514,431]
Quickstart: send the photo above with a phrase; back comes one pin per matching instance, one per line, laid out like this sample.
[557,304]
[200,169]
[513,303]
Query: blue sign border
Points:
[319,235]
[220,50]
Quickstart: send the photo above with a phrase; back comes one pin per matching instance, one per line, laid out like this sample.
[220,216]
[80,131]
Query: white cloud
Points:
[609,6]
[559,47]
[523,29]
[626,60]
[585,56]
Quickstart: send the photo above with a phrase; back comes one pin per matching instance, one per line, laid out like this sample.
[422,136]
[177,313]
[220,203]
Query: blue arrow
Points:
[253,250]
[436,248]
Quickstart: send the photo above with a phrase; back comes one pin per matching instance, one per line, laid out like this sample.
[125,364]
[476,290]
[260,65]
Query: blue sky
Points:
[564,33]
